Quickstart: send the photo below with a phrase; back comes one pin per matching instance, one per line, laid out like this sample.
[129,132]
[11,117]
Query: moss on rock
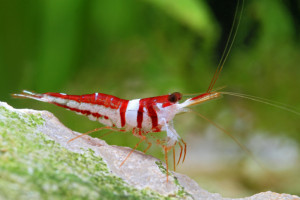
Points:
[33,166]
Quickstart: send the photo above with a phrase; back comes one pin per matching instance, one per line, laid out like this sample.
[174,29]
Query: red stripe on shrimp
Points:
[123,108]
[84,112]
[153,115]
[149,104]
[108,101]
[140,114]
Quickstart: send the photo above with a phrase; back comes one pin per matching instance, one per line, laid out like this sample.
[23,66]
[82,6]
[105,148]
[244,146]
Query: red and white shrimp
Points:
[140,116]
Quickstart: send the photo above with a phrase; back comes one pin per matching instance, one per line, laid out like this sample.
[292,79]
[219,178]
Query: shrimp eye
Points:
[174,97]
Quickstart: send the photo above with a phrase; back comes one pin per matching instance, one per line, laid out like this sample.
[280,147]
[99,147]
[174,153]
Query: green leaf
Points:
[194,14]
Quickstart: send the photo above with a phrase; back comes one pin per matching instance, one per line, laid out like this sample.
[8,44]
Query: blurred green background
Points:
[141,48]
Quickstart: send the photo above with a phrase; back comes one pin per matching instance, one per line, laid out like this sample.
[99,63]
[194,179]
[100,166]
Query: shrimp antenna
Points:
[265,101]
[244,148]
[228,46]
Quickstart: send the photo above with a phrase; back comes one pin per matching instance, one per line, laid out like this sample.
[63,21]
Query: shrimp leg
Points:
[96,129]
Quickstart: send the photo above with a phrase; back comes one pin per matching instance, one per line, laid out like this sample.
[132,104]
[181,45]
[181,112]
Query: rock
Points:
[270,196]
[37,162]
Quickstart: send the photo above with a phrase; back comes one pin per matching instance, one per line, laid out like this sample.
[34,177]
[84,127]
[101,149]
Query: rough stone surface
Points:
[140,171]
[270,196]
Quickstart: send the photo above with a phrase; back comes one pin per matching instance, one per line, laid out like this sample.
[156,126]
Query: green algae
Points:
[34,167]
[181,193]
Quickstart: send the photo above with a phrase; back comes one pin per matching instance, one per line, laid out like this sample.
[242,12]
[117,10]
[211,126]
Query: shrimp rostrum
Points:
[139,116]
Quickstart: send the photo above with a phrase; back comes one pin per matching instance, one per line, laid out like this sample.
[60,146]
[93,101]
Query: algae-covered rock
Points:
[37,162]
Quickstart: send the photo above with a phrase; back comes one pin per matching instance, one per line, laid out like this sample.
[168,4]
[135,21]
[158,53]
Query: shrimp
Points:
[139,116]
